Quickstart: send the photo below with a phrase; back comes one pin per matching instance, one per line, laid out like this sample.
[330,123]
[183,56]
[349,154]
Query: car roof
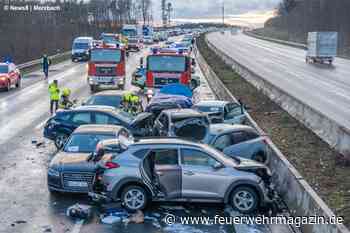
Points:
[97,129]
[212,103]
[100,108]
[216,129]
[183,112]
[111,93]
[165,140]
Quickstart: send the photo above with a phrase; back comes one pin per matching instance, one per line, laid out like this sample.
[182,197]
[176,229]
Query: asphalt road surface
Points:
[325,88]
[25,203]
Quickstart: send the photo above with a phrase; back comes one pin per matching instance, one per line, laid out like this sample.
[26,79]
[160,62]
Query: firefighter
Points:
[65,102]
[54,92]
[131,103]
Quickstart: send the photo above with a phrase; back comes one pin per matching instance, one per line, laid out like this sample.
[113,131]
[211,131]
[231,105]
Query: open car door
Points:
[161,172]
[234,113]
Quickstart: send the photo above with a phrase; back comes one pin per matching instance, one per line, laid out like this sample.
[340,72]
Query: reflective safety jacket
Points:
[54,92]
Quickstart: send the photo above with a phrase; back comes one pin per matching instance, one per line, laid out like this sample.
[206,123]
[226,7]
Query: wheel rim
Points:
[243,200]
[134,199]
[60,140]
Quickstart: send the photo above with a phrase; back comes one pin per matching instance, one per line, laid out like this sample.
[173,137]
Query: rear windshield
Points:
[106,55]
[4,69]
[209,109]
[85,143]
[166,63]
[106,100]
[109,39]
[80,46]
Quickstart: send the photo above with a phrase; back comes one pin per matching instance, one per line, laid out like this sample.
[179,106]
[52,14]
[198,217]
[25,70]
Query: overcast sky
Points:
[201,8]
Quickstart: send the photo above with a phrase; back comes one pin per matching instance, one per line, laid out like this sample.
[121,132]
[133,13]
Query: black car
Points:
[70,170]
[59,127]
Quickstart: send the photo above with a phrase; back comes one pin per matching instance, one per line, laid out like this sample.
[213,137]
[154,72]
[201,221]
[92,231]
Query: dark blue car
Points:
[59,127]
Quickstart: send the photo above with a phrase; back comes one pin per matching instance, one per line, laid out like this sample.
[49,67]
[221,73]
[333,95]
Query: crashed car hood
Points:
[249,164]
[74,162]
[191,128]
[140,118]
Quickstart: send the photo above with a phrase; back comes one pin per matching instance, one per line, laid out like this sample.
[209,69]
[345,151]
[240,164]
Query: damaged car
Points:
[184,123]
[222,111]
[238,140]
[59,127]
[171,169]
[69,170]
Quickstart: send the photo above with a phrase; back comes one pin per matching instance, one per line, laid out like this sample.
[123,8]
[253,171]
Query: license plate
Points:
[77,184]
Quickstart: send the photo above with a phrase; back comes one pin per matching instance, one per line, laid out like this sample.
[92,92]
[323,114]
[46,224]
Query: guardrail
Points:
[284,42]
[38,61]
[298,195]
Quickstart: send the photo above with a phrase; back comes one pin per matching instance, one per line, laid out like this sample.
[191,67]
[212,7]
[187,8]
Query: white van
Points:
[81,48]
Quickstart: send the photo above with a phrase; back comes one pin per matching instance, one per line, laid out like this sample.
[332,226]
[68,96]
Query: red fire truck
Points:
[169,66]
[106,68]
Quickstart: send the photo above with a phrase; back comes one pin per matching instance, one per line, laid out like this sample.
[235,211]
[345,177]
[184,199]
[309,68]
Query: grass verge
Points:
[322,167]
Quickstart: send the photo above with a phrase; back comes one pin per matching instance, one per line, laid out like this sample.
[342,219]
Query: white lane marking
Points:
[41,124]
[77,226]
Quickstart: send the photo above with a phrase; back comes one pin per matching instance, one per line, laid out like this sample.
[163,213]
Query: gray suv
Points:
[171,169]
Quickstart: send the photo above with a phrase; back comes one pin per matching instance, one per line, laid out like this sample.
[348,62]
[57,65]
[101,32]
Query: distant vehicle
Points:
[132,31]
[81,48]
[183,123]
[112,40]
[238,140]
[106,68]
[222,111]
[134,44]
[147,31]
[113,98]
[148,40]
[69,170]
[9,76]
[169,169]
[169,66]
[322,47]
[59,127]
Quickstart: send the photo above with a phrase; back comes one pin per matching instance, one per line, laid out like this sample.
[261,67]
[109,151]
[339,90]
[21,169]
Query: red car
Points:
[9,76]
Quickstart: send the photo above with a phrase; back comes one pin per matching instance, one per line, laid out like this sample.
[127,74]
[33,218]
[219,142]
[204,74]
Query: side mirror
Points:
[90,157]
[99,154]
[217,165]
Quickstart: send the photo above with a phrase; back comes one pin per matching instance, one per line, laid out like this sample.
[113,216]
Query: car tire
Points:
[134,198]
[259,157]
[244,199]
[18,84]
[93,88]
[8,86]
[60,140]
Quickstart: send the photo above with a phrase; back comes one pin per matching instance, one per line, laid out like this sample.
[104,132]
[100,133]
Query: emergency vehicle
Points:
[9,76]
[106,68]
[168,66]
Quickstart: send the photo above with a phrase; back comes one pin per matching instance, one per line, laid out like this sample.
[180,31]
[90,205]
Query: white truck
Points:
[321,47]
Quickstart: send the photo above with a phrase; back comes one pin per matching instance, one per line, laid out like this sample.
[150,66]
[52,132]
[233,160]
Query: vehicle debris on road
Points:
[79,211]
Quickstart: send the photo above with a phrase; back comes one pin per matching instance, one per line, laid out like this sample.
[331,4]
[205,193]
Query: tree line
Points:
[298,17]
[26,35]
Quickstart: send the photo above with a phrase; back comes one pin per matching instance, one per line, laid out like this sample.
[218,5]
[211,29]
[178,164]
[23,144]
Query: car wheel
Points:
[244,199]
[8,86]
[93,88]
[134,198]
[18,84]
[260,157]
[60,140]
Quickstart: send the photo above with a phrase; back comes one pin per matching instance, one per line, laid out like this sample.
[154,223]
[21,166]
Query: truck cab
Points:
[169,66]
[106,68]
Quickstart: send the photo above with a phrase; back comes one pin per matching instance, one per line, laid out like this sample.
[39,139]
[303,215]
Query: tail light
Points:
[111,165]
[120,69]
[92,69]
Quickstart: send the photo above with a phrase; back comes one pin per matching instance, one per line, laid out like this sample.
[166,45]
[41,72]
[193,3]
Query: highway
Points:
[324,88]
[25,203]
